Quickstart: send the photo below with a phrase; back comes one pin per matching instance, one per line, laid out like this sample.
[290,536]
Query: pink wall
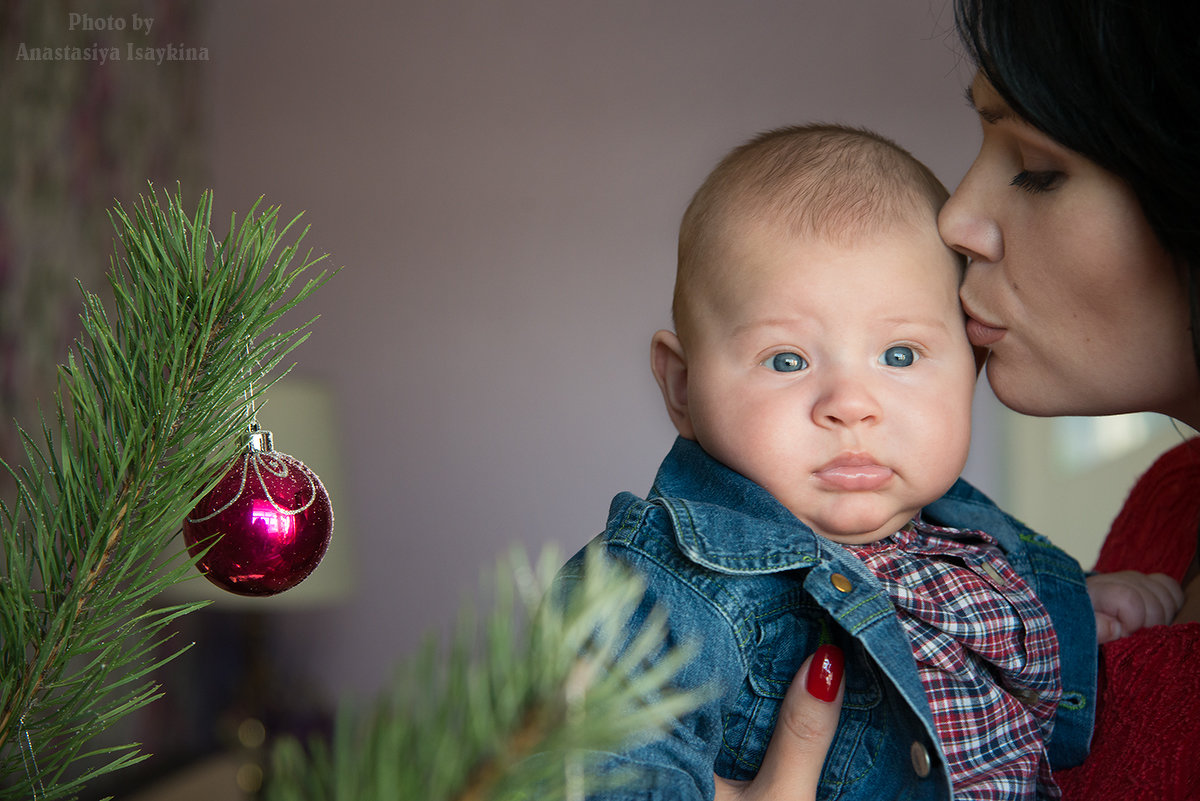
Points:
[503,182]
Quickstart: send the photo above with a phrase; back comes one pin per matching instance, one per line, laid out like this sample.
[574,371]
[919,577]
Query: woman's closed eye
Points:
[1036,181]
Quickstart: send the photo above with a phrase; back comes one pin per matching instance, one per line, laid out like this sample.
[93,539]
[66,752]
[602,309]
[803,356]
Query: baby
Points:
[820,379]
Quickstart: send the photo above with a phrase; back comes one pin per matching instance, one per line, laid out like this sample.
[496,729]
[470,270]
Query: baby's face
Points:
[837,377]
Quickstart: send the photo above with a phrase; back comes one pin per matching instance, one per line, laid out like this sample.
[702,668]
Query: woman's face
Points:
[1083,310]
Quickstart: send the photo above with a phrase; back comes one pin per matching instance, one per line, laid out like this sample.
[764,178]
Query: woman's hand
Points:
[807,722]
[1127,601]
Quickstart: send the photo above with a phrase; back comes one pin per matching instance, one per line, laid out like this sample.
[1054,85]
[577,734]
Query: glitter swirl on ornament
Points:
[266,524]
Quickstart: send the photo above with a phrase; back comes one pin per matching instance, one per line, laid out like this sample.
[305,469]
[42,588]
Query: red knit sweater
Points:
[1147,739]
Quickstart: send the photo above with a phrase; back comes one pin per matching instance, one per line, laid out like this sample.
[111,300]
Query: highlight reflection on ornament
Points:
[266,524]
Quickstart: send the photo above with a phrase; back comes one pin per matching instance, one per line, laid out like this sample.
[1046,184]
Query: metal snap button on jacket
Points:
[920,760]
[841,583]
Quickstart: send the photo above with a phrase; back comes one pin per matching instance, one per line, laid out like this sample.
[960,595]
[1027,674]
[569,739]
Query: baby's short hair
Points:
[832,182]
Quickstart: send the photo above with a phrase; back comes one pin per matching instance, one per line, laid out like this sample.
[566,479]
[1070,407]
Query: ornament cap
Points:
[260,440]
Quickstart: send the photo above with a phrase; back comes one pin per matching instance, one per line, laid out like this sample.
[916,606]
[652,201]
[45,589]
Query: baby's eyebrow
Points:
[910,322]
[773,322]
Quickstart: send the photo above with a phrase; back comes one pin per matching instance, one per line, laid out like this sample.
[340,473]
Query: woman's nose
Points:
[966,224]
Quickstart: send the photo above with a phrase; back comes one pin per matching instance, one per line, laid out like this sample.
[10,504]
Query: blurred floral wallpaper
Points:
[96,100]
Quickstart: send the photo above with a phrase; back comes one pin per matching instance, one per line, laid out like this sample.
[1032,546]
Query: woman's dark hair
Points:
[1117,81]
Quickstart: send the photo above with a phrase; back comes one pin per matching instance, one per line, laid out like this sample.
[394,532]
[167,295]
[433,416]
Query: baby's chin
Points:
[860,531]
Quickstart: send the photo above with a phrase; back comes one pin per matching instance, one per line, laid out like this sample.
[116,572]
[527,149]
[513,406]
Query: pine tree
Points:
[154,400]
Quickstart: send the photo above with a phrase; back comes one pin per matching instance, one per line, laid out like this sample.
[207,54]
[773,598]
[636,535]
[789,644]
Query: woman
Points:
[1081,220]
[1081,217]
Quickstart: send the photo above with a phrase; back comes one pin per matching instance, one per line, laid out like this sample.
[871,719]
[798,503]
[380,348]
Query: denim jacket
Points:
[755,587]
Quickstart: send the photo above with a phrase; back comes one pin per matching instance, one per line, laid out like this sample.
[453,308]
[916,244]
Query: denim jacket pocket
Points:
[785,636]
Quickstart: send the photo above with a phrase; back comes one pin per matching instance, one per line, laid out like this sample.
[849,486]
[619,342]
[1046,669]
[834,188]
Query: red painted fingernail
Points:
[825,673]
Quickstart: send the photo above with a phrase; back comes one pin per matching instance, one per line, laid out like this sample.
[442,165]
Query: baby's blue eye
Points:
[898,356]
[787,362]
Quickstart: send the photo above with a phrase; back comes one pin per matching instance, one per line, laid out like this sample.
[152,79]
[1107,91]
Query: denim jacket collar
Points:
[726,522]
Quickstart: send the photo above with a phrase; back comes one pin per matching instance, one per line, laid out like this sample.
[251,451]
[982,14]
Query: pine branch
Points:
[150,406]
[514,710]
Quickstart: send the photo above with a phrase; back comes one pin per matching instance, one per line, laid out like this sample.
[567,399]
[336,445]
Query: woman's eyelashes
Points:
[1036,181]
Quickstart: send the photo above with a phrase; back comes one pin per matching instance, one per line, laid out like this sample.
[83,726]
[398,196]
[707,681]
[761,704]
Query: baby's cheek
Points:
[944,444]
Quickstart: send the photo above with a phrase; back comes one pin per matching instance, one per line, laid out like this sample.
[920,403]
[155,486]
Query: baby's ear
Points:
[669,364]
